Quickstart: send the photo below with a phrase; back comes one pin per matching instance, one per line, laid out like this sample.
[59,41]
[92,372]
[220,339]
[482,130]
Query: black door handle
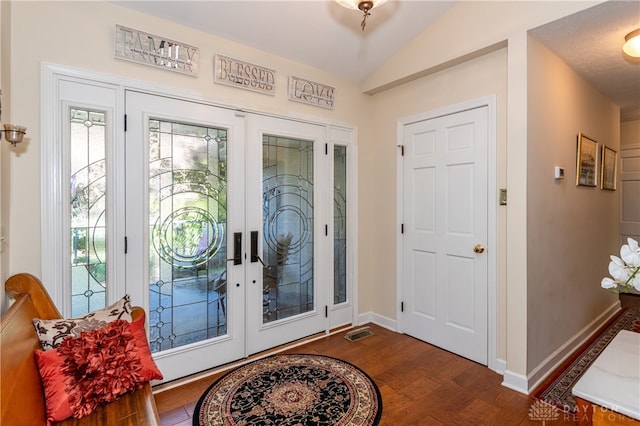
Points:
[254,249]
[237,248]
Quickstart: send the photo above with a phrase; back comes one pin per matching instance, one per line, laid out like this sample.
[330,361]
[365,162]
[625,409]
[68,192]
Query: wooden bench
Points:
[21,393]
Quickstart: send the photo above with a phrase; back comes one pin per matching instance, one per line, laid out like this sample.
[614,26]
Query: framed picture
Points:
[609,161]
[586,161]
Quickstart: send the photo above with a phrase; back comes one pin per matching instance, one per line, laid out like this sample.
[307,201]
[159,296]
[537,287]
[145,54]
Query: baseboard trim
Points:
[527,384]
[378,319]
[553,361]
[515,381]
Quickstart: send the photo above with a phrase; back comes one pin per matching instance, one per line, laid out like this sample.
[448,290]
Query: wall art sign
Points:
[609,165]
[586,161]
[144,48]
[232,72]
[312,93]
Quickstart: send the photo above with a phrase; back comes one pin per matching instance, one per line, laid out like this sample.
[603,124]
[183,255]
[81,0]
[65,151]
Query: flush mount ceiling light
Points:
[632,44]
[364,6]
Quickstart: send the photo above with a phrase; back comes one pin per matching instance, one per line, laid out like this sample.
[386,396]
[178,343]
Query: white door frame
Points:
[628,173]
[492,198]
[53,220]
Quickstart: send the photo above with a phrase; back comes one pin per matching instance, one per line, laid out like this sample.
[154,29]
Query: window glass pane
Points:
[288,227]
[87,185]
[339,224]
[187,228]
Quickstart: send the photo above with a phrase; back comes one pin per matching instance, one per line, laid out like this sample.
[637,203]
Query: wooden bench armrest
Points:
[21,393]
[31,285]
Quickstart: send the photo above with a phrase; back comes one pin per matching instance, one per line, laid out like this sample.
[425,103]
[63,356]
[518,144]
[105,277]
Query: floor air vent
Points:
[358,333]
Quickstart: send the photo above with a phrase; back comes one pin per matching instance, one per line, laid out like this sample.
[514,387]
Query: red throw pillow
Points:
[99,366]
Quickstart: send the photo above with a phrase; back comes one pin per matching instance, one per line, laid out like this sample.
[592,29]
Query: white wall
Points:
[571,230]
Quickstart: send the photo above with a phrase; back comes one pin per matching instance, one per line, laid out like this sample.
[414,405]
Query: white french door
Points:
[284,213]
[222,223]
[445,266]
[184,169]
[166,208]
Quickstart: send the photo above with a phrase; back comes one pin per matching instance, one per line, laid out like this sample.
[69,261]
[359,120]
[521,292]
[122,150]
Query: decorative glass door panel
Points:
[288,240]
[203,184]
[339,224]
[183,160]
[187,226]
[167,202]
[284,301]
[88,191]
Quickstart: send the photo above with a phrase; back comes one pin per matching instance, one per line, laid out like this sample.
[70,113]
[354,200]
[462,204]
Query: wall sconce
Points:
[14,133]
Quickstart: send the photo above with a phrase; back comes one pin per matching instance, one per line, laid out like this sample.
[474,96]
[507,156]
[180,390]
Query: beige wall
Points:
[465,29]
[5,37]
[476,78]
[571,230]
[81,35]
[456,60]
[455,38]
[630,133]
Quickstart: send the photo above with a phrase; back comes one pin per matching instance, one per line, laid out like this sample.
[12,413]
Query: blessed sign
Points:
[161,52]
[244,75]
[309,92]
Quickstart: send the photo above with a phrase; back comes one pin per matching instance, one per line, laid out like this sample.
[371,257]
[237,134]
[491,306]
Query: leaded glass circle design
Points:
[187,233]
[87,208]
[288,224]
[187,237]
[288,207]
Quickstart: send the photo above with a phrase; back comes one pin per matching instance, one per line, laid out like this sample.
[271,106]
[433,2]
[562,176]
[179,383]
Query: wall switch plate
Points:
[558,172]
[503,197]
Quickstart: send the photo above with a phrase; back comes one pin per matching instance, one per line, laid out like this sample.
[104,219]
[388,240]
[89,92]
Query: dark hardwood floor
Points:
[420,384]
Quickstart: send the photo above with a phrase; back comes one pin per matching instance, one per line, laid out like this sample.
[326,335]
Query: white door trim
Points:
[492,198]
[52,219]
[629,174]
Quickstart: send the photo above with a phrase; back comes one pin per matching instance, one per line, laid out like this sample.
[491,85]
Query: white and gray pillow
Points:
[52,332]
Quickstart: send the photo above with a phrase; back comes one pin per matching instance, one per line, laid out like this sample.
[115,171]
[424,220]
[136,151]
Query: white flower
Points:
[635,281]
[608,283]
[624,270]
[630,253]
[618,269]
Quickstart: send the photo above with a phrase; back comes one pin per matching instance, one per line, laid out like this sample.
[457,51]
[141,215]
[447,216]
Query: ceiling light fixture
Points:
[632,44]
[364,5]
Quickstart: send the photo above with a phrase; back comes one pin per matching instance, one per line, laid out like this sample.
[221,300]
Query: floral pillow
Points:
[83,373]
[52,332]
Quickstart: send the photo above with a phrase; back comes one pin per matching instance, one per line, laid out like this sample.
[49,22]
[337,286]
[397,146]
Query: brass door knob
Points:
[479,248]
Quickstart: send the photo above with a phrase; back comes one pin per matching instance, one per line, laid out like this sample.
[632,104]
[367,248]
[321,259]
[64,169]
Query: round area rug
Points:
[291,390]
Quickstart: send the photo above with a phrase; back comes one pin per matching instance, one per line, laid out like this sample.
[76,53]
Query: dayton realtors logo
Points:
[541,411]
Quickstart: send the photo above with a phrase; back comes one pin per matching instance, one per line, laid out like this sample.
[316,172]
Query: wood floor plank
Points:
[420,384]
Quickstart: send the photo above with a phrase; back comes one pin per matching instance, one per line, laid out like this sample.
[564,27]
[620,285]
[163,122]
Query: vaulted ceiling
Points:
[327,36]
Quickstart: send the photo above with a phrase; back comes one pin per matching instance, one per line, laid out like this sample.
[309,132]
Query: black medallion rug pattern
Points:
[291,390]
[558,391]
